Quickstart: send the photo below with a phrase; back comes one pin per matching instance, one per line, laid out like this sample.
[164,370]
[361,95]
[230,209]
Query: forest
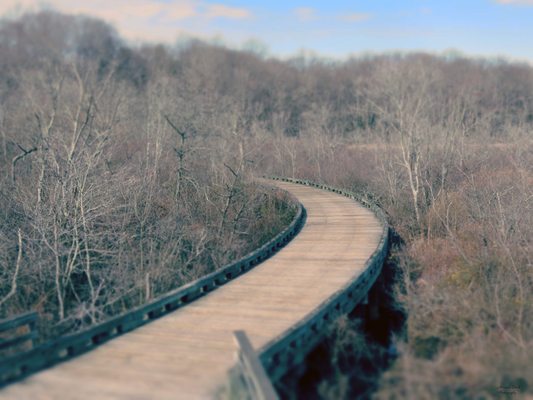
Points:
[126,171]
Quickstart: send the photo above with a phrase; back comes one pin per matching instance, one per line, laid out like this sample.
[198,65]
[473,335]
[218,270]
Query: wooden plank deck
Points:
[186,354]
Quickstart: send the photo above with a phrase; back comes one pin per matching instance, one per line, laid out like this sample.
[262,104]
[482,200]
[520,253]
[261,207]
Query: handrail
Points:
[257,382]
[61,349]
[18,321]
[291,347]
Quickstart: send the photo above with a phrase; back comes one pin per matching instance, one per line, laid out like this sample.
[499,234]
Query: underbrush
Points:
[132,260]
[466,286]
[468,290]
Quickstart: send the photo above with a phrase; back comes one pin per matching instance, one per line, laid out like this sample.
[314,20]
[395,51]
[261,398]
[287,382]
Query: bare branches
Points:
[235,174]
[18,158]
[14,278]
[180,153]
[180,132]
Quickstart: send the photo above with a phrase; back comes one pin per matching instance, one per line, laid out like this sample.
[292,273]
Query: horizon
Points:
[490,29]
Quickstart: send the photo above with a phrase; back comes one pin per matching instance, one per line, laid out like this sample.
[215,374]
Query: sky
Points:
[331,28]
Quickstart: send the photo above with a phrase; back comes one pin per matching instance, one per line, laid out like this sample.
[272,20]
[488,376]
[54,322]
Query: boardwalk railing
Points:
[10,336]
[291,347]
[256,380]
[47,354]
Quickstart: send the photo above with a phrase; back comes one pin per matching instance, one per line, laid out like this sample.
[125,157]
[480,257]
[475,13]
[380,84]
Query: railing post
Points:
[257,381]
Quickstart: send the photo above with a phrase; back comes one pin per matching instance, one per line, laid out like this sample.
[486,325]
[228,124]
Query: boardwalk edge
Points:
[290,348]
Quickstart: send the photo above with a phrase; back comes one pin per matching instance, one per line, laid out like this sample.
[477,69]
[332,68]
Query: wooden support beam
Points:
[257,380]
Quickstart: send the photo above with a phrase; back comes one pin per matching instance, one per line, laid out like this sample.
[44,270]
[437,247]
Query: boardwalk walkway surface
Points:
[186,354]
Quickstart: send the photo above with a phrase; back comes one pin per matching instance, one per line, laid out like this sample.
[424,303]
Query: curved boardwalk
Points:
[186,354]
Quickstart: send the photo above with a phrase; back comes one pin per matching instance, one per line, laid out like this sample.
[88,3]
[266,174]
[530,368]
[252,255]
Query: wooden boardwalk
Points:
[186,354]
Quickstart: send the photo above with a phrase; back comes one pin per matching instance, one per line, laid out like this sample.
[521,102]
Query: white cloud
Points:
[223,11]
[106,9]
[152,20]
[305,14]
[355,17]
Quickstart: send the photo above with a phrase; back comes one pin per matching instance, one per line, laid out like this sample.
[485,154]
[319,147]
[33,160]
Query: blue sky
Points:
[334,28]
